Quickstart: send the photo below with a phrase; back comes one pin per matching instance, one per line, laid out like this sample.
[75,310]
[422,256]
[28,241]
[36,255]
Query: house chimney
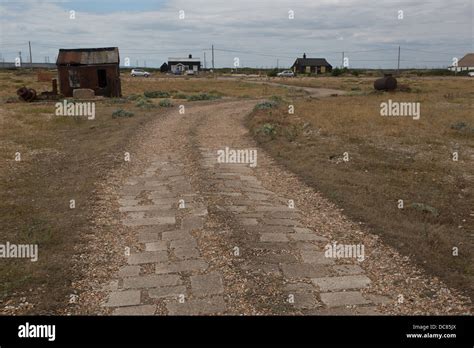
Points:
[190,56]
[304,55]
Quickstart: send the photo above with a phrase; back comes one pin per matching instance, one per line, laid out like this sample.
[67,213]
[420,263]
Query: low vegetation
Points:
[122,113]
[156,94]
[269,104]
[166,103]
[202,96]
[144,102]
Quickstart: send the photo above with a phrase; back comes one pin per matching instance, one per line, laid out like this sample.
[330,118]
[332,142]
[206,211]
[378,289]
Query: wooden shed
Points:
[94,68]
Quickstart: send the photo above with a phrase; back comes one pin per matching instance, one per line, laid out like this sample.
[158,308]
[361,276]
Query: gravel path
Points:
[203,237]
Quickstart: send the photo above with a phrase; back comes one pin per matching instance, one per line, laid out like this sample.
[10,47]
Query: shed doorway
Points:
[102,78]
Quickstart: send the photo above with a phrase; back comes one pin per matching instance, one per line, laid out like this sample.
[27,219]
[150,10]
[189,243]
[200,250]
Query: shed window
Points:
[74,80]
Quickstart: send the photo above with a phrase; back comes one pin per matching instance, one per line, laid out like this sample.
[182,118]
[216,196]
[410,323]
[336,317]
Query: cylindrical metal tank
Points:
[387,83]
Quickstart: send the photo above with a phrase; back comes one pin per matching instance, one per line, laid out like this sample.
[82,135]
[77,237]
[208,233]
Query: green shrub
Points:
[156,94]
[425,208]
[180,96]
[272,73]
[144,102]
[166,103]
[122,113]
[276,98]
[268,104]
[134,97]
[268,129]
[336,72]
[202,96]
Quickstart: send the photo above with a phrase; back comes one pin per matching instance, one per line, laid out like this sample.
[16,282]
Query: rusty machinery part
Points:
[387,83]
[26,94]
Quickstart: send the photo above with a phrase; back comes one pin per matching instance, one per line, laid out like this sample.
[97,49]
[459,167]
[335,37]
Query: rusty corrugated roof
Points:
[88,56]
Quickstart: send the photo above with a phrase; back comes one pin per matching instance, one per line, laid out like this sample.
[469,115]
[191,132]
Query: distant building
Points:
[183,65]
[465,63]
[164,67]
[311,65]
[94,68]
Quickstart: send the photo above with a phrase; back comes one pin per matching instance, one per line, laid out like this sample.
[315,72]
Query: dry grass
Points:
[358,85]
[344,83]
[390,158]
[230,88]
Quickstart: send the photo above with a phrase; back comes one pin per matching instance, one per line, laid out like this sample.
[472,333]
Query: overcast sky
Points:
[258,32]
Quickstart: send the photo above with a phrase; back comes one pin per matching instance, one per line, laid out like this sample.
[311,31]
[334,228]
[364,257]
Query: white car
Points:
[471,74]
[286,73]
[139,72]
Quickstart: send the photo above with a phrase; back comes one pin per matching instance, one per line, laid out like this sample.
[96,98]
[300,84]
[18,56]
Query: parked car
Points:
[139,72]
[286,73]
[471,73]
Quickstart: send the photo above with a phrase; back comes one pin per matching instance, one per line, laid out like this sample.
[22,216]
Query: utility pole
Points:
[213,57]
[205,60]
[342,66]
[398,65]
[277,64]
[31,58]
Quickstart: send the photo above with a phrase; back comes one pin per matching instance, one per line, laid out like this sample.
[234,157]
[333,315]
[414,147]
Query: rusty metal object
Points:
[387,83]
[26,94]
[88,56]
[54,82]
[29,94]
[50,95]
